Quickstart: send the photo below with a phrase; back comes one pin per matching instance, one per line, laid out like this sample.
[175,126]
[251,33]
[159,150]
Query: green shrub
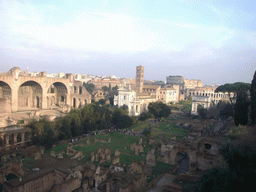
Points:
[237,131]
[202,112]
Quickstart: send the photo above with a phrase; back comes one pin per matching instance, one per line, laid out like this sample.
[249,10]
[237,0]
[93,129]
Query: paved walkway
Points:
[165,180]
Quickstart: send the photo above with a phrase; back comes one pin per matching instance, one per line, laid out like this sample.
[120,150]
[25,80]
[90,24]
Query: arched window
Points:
[62,98]
[74,89]
[80,90]
[74,102]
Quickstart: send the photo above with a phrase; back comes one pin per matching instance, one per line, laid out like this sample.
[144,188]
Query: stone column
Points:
[68,98]
[14,97]
[96,183]
[22,138]
[44,96]
[15,138]
[172,157]
[2,140]
[108,187]
[7,140]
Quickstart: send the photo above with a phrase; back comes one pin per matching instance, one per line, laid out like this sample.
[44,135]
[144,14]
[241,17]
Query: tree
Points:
[202,112]
[116,115]
[145,115]
[125,107]
[75,121]
[65,129]
[212,112]
[111,100]
[159,109]
[115,88]
[241,109]
[124,121]
[105,88]
[240,156]
[102,102]
[44,133]
[89,87]
[236,88]
[147,131]
[253,99]
[226,111]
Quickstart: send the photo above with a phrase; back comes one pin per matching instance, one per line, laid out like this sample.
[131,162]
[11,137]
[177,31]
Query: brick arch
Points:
[3,83]
[2,140]
[58,83]
[30,94]
[5,97]
[30,80]
[191,153]
[59,91]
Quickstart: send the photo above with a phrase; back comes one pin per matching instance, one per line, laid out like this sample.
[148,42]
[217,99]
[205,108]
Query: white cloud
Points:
[52,7]
[26,29]
[87,31]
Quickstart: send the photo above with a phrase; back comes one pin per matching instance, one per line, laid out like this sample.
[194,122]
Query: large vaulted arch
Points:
[5,97]
[57,94]
[30,95]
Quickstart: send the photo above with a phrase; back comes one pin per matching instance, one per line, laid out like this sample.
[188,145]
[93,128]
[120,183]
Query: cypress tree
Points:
[241,109]
[253,99]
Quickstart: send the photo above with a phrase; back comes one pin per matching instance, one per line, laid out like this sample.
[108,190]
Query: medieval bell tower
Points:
[139,78]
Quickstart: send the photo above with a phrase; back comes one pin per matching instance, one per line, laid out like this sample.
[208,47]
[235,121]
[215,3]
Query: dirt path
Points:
[165,180]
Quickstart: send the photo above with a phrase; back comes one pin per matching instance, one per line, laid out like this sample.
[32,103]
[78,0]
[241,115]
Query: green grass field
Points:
[168,130]
[183,105]
[159,169]
[121,142]
[140,126]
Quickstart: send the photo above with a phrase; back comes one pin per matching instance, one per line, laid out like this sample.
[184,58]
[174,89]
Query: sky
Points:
[210,40]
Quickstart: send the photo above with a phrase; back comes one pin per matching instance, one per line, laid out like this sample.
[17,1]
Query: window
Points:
[207,146]
[124,97]
[80,90]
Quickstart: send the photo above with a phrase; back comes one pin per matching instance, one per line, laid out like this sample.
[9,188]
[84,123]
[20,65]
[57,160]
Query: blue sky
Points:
[210,40]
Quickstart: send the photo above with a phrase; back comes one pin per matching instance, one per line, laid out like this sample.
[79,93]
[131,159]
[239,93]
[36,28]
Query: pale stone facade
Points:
[169,95]
[138,100]
[204,101]
[189,88]
[108,82]
[207,91]
[14,136]
[192,83]
[139,78]
[20,91]
[99,94]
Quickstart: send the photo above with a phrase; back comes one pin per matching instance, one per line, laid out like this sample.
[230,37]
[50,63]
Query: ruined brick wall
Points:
[42,184]
[39,185]
[70,185]
[5,105]
[191,83]
[139,183]
[124,189]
